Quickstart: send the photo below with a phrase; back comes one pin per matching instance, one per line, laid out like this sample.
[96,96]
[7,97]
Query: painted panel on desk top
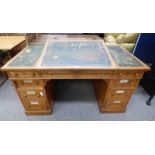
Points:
[76,54]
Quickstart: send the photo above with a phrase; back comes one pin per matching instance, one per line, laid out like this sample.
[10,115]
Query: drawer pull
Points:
[41,94]
[27,81]
[116,101]
[119,91]
[34,102]
[124,81]
[30,92]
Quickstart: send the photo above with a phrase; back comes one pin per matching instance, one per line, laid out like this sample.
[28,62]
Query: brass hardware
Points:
[124,81]
[27,81]
[116,101]
[30,92]
[120,91]
[34,102]
[41,94]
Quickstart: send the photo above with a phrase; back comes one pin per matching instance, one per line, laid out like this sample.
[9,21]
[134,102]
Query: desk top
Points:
[74,53]
[8,42]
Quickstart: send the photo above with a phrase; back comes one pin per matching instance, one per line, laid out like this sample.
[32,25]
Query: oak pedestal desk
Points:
[114,71]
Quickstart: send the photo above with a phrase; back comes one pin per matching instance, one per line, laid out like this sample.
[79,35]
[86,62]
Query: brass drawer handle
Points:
[30,92]
[27,81]
[34,102]
[120,91]
[116,101]
[123,81]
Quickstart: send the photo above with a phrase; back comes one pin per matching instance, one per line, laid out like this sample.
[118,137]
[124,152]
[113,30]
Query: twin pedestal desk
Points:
[114,71]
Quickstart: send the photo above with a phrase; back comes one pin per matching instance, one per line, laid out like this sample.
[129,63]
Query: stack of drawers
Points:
[119,94]
[120,90]
[36,95]
[114,94]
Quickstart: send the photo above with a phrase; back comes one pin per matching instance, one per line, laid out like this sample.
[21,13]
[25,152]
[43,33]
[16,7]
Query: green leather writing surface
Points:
[122,58]
[76,53]
[29,56]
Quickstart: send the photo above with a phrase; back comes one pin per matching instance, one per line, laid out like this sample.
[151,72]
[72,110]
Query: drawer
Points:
[115,103]
[28,83]
[79,75]
[32,93]
[23,74]
[35,104]
[124,83]
[120,93]
[130,75]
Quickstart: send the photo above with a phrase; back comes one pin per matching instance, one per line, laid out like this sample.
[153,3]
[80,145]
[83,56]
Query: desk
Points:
[115,72]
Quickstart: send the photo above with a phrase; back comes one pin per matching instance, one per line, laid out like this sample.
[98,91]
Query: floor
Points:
[75,101]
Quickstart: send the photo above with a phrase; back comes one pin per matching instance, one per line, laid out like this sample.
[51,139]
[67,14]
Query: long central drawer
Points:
[79,75]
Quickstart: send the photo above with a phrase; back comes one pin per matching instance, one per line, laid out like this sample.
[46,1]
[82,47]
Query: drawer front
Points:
[28,83]
[120,93]
[32,93]
[115,103]
[79,75]
[35,104]
[130,75]
[124,83]
[23,74]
